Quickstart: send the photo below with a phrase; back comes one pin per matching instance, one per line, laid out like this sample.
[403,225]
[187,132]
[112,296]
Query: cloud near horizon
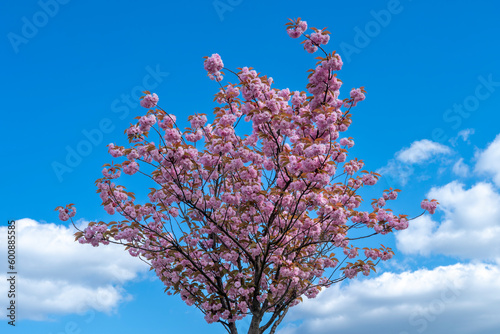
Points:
[417,301]
[58,276]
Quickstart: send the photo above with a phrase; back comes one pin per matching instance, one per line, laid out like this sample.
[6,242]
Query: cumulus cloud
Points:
[488,161]
[469,228]
[396,171]
[460,168]
[421,151]
[460,299]
[57,275]
[464,135]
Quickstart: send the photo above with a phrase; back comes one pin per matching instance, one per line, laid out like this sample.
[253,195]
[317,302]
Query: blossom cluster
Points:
[213,65]
[429,205]
[67,212]
[94,235]
[296,29]
[149,101]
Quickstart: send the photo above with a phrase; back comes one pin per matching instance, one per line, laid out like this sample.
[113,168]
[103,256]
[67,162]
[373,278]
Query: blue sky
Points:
[429,124]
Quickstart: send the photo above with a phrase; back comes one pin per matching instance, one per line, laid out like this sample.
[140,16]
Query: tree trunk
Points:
[232,328]
[254,325]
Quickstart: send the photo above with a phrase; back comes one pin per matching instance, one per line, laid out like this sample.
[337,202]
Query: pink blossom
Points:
[213,64]
[369,179]
[149,101]
[194,137]
[302,26]
[366,269]
[168,121]
[63,215]
[66,213]
[111,173]
[373,253]
[357,95]
[320,38]
[350,272]
[134,130]
[310,47]
[198,121]
[429,206]
[174,212]
[131,168]
[94,235]
[297,30]
[172,135]
[115,151]
[146,122]
[351,252]
[346,142]
[341,157]
[385,256]
[402,224]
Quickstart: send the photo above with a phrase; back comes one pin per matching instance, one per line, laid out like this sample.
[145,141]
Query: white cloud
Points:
[470,227]
[488,161]
[57,275]
[421,151]
[459,299]
[43,298]
[460,169]
[464,134]
[396,171]
[399,169]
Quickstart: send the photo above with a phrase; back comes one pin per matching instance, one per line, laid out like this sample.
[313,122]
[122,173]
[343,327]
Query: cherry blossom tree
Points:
[248,226]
